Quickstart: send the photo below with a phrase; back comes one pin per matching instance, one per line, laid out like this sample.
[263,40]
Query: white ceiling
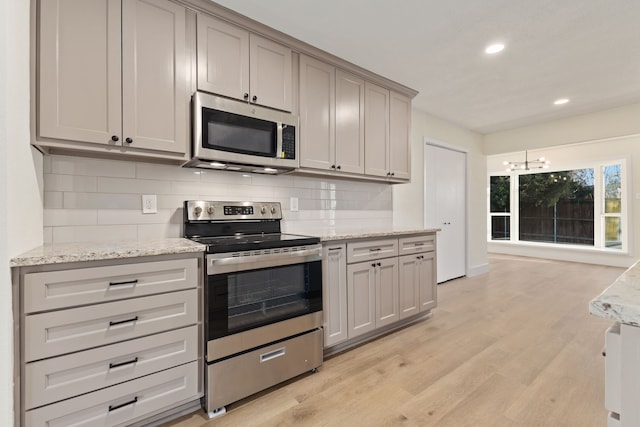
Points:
[585,50]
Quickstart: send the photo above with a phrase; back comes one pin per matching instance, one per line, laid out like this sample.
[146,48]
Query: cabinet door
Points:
[400,136]
[349,123]
[409,285]
[334,291]
[387,292]
[223,58]
[154,77]
[317,114]
[361,298]
[428,285]
[79,60]
[270,76]
[376,133]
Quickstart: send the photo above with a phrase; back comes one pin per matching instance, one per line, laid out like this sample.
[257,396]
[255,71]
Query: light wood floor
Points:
[514,347]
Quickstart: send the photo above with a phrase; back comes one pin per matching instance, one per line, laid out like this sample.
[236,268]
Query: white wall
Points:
[408,199]
[20,178]
[605,135]
[622,121]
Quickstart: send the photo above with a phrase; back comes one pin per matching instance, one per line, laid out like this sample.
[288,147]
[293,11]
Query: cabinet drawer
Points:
[613,369]
[65,331]
[121,403]
[371,249]
[60,378]
[59,289]
[413,245]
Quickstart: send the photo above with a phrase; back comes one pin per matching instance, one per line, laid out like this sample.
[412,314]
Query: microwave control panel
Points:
[288,142]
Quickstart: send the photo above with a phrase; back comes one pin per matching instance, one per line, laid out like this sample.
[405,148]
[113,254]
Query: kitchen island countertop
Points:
[620,301]
[332,234]
[96,251]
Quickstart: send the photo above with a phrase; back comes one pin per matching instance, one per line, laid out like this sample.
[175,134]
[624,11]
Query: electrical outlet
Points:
[149,204]
[293,204]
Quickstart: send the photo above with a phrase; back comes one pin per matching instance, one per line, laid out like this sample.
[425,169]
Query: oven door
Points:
[249,292]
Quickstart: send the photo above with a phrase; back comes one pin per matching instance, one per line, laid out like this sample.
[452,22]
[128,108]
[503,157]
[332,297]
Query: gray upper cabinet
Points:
[331,118]
[349,123]
[317,114]
[113,73]
[235,63]
[399,135]
[376,130]
[387,133]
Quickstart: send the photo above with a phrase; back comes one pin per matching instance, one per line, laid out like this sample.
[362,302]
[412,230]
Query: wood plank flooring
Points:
[514,347]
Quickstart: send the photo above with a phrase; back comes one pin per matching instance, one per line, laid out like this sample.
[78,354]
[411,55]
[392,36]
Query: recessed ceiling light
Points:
[561,101]
[494,48]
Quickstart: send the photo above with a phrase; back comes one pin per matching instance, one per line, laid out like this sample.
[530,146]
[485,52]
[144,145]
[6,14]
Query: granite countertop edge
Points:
[620,302]
[329,235]
[97,251]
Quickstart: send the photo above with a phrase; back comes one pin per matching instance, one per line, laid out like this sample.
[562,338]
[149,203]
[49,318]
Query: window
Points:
[500,202]
[583,207]
[557,207]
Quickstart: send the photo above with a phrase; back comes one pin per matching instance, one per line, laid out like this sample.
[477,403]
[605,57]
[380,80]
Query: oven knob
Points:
[273,209]
[263,210]
[197,211]
[210,210]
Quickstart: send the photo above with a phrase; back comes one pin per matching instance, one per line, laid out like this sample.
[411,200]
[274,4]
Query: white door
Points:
[445,207]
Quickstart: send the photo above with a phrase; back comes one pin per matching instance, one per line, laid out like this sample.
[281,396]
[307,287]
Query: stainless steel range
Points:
[263,298]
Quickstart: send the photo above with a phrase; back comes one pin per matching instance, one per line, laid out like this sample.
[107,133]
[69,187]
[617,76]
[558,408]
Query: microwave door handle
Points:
[279,141]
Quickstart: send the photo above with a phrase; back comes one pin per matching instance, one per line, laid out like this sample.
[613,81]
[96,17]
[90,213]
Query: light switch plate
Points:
[149,204]
[293,204]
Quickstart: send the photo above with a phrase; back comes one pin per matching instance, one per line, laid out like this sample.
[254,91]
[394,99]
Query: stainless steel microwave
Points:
[235,135]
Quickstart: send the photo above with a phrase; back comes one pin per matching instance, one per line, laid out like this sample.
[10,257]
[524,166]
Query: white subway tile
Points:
[97,233]
[136,186]
[133,217]
[53,199]
[165,172]
[61,217]
[78,183]
[157,231]
[46,164]
[92,167]
[47,235]
[102,201]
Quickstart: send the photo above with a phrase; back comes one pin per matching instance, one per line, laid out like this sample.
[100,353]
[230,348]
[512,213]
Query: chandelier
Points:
[539,163]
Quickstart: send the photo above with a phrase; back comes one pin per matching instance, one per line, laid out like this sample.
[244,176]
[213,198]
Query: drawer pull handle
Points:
[122,405]
[273,354]
[120,322]
[127,282]
[128,362]
[334,249]
[375,249]
[419,244]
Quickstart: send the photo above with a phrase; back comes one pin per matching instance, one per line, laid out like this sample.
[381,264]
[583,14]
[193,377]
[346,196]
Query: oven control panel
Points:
[201,210]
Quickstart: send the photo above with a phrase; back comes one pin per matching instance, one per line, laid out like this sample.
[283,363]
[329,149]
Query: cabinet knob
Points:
[128,140]
[338,167]
[333,166]
[393,174]
[378,264]
[246,96]
[255,98]
[373,264]
[115,138]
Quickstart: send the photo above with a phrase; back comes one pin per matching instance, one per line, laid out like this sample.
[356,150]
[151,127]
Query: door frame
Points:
[467,199]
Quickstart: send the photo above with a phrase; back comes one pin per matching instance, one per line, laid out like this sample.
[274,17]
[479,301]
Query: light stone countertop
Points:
[332,234]
[96,251]
[620,301]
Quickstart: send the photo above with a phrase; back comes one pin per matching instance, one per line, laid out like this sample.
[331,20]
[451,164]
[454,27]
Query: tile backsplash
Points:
[99,200]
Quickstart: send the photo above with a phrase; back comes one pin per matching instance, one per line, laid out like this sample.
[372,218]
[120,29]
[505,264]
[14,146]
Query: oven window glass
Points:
[244,300]
[238,134]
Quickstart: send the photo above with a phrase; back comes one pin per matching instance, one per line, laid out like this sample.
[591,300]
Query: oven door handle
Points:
[217,264]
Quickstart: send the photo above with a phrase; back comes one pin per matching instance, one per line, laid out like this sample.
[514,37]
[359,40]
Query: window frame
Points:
[599,205]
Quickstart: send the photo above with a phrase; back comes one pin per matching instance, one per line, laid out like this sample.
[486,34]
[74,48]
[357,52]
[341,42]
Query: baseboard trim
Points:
[477,270]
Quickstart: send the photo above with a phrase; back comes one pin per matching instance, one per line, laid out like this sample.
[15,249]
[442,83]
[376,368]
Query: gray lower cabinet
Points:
[109,342]
[371,284]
